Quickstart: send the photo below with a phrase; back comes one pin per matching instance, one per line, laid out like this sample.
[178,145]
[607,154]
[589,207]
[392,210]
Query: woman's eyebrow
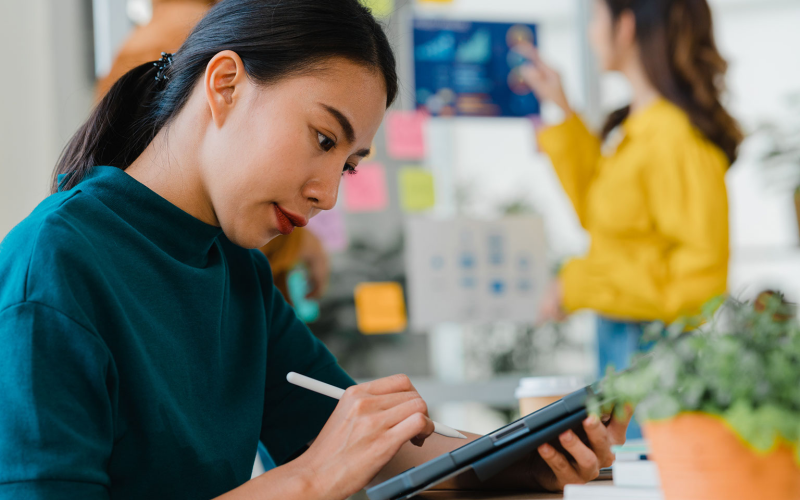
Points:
[349,133]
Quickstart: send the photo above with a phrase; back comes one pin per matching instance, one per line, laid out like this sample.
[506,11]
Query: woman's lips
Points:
[288,220]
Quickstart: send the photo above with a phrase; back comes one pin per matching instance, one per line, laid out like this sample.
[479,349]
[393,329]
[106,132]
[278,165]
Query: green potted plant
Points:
[720,403]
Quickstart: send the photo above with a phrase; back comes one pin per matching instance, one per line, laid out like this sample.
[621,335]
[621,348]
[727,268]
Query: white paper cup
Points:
[534,393]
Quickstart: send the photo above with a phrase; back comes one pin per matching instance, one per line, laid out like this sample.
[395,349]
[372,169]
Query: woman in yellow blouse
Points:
[650,190]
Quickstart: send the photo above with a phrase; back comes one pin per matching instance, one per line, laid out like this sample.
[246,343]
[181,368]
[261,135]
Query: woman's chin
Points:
[252,239]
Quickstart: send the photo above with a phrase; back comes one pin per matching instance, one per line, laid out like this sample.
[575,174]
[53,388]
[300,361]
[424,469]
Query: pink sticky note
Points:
[366,190]
[328,226]
[405,139]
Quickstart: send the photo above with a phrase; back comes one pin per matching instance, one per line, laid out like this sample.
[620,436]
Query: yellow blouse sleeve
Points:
[686,196]
[574,152]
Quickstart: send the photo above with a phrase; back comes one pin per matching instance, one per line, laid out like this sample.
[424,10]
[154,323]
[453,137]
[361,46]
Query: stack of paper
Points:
[607,491]
[638,474]
[635,477]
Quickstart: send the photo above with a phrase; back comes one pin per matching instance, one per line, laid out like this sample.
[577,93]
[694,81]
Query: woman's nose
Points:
[322,192]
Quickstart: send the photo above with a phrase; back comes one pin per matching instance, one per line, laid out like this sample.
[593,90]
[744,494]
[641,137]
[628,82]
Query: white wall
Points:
[761,41]
[27,136]
[45,92]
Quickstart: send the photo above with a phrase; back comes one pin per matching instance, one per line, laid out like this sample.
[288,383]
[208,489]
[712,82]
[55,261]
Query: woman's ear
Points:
[223,83]
[625,30]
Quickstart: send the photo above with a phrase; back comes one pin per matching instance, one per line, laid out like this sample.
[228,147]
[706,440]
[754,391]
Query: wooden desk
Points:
[488,495]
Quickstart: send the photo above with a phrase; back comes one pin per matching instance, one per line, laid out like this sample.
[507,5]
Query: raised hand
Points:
[541,78]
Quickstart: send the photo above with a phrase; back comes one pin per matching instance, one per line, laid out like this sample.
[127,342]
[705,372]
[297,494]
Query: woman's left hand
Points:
[544,469]
[552,306]
[580,463]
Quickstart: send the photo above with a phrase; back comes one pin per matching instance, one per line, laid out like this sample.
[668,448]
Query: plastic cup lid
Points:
[537,387]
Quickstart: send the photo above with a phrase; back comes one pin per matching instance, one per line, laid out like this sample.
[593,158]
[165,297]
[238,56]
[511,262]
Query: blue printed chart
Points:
[473,271]
[468,68]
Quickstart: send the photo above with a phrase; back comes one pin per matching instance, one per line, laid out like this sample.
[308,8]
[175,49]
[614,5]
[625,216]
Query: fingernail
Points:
[546,450]
[567,437]
[592,421]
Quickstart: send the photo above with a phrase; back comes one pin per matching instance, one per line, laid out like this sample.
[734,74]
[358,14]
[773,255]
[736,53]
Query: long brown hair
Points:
[680,58]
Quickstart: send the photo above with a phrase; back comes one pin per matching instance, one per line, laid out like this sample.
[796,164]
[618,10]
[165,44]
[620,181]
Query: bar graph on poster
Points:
[473,271]
[470,68]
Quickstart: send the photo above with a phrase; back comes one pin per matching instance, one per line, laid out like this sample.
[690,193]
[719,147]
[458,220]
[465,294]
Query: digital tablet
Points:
[492,453]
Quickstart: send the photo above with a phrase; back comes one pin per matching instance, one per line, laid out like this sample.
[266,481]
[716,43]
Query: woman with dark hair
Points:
[145,348]
[652,197]
[170,24]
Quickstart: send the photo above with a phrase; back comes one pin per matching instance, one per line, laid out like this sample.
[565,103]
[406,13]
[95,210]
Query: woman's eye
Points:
[325,142]
[349,169]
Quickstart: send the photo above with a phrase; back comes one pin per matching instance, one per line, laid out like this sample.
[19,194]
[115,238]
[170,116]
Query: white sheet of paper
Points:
[475,271]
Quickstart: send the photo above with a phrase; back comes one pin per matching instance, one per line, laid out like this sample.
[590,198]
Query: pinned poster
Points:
[297,283]
[405,137]
[416,189]
[379,8]
[328,226]
[466,68]
[366,190]
[380,308]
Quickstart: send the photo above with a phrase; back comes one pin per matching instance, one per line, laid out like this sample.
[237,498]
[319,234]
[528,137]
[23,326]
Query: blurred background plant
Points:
[781,158]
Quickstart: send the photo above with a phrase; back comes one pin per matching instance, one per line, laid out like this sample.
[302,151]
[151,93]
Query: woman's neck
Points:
[169,166]
[643,91]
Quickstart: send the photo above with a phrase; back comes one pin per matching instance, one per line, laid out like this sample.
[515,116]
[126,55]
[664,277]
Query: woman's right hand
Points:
[541,78]
[367,428]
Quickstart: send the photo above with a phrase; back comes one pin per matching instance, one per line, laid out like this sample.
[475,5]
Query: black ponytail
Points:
[108,137]
[275,39]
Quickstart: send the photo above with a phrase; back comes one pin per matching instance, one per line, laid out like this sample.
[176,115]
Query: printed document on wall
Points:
[475,271]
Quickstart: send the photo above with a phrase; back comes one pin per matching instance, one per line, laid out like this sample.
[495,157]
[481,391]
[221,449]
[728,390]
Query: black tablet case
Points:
[492,453]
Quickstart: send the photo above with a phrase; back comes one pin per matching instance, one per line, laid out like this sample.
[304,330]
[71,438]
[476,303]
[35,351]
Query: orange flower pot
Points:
[700,458]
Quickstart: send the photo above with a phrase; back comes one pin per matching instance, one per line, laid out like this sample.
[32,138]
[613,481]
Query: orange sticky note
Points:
[380,308]
[405,138]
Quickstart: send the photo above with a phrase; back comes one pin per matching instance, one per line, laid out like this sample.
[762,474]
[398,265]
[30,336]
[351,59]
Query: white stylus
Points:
[337,393]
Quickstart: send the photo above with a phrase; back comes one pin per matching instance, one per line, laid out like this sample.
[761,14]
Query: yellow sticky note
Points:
[416,189]
[379,8]
[380,308]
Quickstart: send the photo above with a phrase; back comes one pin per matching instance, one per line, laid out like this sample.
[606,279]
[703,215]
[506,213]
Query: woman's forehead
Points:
[342,88]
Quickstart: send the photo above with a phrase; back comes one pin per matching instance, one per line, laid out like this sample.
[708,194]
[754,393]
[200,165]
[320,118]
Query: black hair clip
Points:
[163,64]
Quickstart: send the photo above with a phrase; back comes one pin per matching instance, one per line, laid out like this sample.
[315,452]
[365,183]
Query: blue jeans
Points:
[617,342]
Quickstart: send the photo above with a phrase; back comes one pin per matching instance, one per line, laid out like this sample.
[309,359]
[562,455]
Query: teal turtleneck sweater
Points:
[142,354]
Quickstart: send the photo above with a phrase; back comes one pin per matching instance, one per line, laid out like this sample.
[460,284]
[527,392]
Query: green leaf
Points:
[743,364]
